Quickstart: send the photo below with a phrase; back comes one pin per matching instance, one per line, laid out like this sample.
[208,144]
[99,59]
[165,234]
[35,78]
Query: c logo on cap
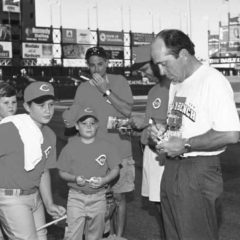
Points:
[44,88]
[88,110]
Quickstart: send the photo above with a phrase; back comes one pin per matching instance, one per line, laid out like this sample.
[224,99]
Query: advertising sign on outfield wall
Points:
[111,38]
[74,51]
[5,50]
[78,36]
[37,50]
[11,6]
[5,32]
[37,34]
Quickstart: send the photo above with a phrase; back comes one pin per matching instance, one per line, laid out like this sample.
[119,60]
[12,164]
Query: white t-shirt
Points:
[202,102]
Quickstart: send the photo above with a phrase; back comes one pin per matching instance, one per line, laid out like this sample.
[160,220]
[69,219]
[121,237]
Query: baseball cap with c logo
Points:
[38,89]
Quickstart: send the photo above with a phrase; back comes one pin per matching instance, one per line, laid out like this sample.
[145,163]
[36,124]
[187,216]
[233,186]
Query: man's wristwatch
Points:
[187,146]
[107,93]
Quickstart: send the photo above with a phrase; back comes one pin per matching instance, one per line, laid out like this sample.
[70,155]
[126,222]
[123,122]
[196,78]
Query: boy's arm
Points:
[54,210]
[113,173]
[79,180]
[67,176]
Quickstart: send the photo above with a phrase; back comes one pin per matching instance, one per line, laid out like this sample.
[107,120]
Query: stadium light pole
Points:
[88,17]
[189,18]
[122,20]
[159,22]
[97,22]
[152,21]
[130,18]
[51,15]
[60,12]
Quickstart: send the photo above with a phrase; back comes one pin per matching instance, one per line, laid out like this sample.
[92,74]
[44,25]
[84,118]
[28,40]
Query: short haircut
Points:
[6,90]
[176,40]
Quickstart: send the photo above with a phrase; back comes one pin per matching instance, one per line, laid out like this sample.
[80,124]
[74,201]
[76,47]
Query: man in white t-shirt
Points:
[202,121]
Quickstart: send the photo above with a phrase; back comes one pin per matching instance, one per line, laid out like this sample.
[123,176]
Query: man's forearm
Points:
[213,140]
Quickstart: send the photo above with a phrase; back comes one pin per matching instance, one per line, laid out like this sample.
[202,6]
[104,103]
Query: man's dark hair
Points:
[175,40]
[7,90]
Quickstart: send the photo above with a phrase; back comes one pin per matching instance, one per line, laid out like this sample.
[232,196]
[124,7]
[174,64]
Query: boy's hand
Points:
[56,211]
[95,182]
[80,181]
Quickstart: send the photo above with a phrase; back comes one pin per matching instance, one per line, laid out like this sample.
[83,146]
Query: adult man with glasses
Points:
[202,121]
[111,96]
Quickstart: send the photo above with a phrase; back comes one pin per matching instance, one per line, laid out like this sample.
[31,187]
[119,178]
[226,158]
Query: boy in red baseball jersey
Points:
[88,164]
[27,152]
[8,107]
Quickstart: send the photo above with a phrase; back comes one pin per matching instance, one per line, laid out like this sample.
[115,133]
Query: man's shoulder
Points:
[158,90]
[154,89]
[213,76]
[84,85]
[116,77]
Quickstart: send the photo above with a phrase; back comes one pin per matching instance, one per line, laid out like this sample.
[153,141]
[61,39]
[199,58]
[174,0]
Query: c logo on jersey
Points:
[101,159]
[156,103]
[47,151]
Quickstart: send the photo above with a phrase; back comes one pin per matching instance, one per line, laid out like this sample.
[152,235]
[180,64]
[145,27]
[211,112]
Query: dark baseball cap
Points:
[96,51]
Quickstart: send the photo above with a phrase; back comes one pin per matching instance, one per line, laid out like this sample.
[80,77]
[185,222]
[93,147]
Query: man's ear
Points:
[26,107]
[76,126]
[183,53]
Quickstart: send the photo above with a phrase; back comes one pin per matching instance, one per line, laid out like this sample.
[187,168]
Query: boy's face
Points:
[87,128]
[41,113]
[8,106]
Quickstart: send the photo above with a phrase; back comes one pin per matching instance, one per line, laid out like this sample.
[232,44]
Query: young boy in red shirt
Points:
[88,164]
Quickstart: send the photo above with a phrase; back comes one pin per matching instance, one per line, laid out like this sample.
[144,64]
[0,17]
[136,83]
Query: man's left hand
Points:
[173,147]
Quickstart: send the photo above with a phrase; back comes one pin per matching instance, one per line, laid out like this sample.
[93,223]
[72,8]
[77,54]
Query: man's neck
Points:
[192,66]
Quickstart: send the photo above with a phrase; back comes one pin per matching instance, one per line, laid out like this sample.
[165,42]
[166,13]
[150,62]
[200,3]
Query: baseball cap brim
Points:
[83,118]
[42,99]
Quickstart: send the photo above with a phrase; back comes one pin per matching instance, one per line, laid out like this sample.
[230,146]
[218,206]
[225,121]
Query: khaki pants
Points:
[85,214]
[20,216]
